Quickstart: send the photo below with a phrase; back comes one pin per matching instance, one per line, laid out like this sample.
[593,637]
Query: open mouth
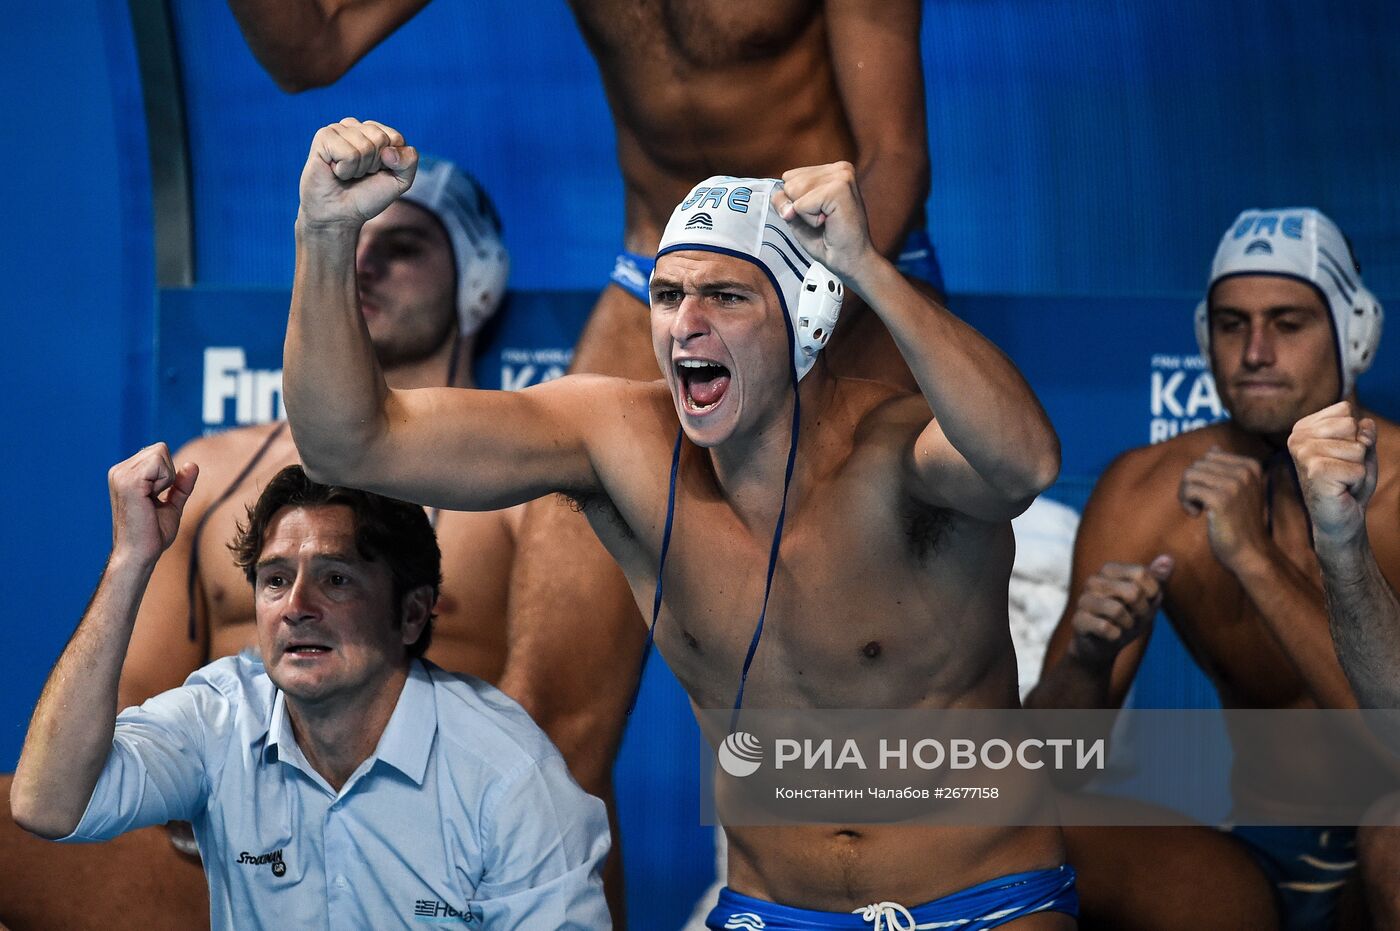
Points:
[306,649]
[703,384]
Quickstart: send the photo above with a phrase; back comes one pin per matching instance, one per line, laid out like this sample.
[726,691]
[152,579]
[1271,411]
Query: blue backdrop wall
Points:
[1086,156]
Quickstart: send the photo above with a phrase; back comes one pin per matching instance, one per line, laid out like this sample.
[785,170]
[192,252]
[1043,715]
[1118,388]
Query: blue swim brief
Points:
[986,905]
[1307,866]
[917,259]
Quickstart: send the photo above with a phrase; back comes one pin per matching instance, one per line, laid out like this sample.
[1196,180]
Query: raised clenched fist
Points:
[825,212]
[354,170]
[148,496]
[1336,457]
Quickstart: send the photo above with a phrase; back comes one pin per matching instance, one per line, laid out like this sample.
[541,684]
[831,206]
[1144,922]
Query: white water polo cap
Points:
[1303,244]
[474,230]
[735,216]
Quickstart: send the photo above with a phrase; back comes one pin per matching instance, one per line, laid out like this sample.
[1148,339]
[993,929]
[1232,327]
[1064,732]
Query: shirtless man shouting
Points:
[695,87]
[890,581]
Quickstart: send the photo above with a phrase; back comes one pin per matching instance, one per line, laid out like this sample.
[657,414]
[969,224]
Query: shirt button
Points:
[341,882]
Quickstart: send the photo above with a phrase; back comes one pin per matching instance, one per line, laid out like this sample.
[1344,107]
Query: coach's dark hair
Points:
[385,529]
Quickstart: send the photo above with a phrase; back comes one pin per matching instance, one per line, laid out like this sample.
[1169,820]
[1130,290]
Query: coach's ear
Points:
[415,613]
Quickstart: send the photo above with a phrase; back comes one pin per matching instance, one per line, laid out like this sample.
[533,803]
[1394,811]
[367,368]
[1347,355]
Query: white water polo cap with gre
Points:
[735,216]
[474,230]
[1303,244]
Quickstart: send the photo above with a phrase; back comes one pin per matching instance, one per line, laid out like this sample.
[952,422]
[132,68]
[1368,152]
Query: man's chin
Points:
[709,430]
[1266,421]
[300,684]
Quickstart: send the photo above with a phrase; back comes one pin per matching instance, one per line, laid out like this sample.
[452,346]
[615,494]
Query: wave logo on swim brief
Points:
[744,921]
[740,755]
[700,221]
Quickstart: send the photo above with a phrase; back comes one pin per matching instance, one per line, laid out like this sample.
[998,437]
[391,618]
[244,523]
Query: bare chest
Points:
[469,632]
[862,612]
[701,33]
[1221,625]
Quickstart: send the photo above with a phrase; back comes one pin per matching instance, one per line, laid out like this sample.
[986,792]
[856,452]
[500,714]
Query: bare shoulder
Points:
[605,401]
[880,410]
[1383,514]
[221,456]
[620,419]
[1158,467]
[1134,512]
[642,412]
[228,444]
[1387,447]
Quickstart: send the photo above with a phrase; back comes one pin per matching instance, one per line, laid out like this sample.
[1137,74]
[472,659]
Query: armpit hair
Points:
[926,526]
[590,503]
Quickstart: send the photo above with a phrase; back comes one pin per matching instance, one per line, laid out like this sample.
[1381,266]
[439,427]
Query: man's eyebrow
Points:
[417,232]
[347,559]
[1279,310]
[714,287]
[709,287]
[1275,310]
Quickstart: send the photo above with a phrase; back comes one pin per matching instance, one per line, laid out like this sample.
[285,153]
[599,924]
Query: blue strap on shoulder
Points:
[772,558]
[660,568]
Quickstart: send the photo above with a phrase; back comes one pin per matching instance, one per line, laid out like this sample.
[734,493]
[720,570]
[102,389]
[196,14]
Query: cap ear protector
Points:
[473,228]
[1363,331]
[818,309]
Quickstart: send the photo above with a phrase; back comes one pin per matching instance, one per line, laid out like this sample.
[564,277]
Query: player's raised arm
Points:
[447,447]
[310,43]
[991,448]
[1335,452]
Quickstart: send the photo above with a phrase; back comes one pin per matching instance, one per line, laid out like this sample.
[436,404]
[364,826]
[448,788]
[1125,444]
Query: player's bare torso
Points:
[877,602]
[1209,608]
[704,87]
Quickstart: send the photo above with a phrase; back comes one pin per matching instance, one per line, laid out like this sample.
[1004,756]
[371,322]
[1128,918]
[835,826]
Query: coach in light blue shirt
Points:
[340,781]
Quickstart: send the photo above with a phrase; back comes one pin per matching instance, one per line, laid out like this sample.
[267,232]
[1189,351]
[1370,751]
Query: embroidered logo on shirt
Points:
[279,866]
[436,910]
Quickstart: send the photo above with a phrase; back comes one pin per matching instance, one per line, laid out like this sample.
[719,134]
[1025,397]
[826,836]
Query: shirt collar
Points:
[407,739]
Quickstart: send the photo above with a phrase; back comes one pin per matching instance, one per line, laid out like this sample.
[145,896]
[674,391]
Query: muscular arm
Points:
[991,448]
[1293,608]
[879,73]
[1227,491]
[1338,469]
[453,448]
[71,731]
[1365,621]
[311,43]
